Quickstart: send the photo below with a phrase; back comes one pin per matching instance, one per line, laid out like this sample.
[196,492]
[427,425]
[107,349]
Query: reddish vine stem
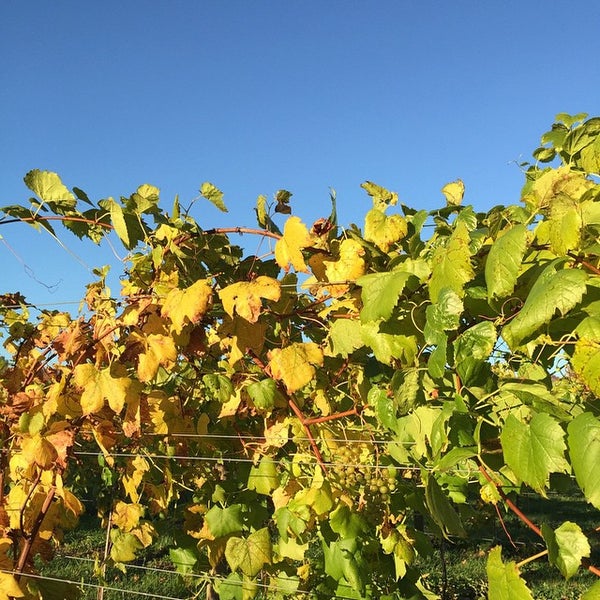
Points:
[57,218]
[241,230]
[586,264]
[29,540]
[515,509]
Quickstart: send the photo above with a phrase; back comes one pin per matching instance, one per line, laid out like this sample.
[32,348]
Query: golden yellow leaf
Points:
[187,306]
[294,364]
[133,477]
[39,451]
[288,250]
[160,350]
[107,384]
[454,192]
[126,516]
[245,298]
[9,588]
[349,266]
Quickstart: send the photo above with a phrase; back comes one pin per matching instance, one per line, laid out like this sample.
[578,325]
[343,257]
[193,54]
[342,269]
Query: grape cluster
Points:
[357,471]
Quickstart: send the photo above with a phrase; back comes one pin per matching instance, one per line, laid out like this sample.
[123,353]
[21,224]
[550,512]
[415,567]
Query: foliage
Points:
[299,428]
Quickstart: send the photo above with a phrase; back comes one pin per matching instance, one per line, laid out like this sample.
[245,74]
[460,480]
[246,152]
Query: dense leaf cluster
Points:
[302,413]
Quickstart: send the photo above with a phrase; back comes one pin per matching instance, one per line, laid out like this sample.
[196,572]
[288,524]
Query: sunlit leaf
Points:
[288,250]
[249,554]
[567,545]
[295,364]
[584,449]
[504,262]
[245,298]
[504,580]
[188,305]
[534,450]
[454,192]
[213,194]
[384,230]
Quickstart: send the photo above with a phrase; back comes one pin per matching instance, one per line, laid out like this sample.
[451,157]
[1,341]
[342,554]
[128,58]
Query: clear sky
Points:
[255,96]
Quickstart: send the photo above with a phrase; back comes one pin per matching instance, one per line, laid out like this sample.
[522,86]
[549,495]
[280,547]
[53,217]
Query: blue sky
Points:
[257,96]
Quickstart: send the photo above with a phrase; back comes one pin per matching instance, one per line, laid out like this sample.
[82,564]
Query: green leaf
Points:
[184,559]
[593,593]
[477,342]
[565,225]
[224,521]
[117,219]
[534,450]
[124,546]
[382,198]
[346,523]
[441,510]
[553,291]
[584,449]
[50,189]
[380,293]
[384,407]
[219,386]
[264,478]
[249,554]
[213,194]
[345,336]
[386,346]
[504,262]
[452,264]
[455,456]
[443,315]
[264,394]
[567,545]
[504,580]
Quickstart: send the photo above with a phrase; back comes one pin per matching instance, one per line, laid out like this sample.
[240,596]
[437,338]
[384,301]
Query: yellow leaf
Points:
[160,350]
[240,336]
[133,477]
[39,451]
[127,516]
[187,306]
[9,588]
[454,192]
[382,230]
[294,364]
[106,384]
[245,298]
[349,266]
[288,250]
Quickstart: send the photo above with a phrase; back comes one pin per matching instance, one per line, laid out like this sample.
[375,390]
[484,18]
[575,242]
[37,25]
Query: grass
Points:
[456,571]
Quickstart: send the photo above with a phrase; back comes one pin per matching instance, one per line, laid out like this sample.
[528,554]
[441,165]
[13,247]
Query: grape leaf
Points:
[188,305]
[384,230]
[454,192]
[224,521]
[50,189]
[245,298]
[213,194]
[534,450]
[452,264]
[584,449]
[249,554]
[264,478]
[553,291]
[504,262]
[9,588]
[295,364]
[380,293]
[567,545]
[288,250]
[504,580]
